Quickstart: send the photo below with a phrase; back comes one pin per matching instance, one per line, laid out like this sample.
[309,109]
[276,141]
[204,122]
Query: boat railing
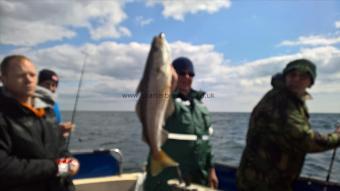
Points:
[111,159]
[117,152]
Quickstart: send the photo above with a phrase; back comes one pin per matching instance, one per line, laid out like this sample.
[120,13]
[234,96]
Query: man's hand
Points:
[337,126]
[213,180]
[66,128]
[174,79]
[67,166]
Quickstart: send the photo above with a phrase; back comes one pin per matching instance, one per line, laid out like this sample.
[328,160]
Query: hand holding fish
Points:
[174,79]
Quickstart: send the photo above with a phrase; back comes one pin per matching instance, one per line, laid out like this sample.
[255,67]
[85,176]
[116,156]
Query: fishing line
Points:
[337,125]
[77,98]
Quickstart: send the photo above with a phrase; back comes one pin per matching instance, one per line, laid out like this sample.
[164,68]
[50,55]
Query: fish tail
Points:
[163,161]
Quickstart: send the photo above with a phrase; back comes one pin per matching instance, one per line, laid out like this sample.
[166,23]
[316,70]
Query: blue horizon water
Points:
[112,129]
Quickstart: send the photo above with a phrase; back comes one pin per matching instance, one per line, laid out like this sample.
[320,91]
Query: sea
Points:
[112,129]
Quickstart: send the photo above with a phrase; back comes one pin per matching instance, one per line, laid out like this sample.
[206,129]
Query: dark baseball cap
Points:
[47,74]
[183,64]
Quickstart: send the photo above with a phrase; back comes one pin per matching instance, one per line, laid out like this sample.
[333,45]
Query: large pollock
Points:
[153,104]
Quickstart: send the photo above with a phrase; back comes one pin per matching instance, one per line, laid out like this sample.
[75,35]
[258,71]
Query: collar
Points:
[43,98]
[193,94]
[306,96]
[38,112]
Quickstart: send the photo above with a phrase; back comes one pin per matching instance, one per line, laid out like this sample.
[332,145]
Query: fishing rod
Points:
[77,98]
[337,125]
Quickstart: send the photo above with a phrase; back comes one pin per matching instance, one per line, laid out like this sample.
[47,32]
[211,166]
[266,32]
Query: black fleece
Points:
[29,146]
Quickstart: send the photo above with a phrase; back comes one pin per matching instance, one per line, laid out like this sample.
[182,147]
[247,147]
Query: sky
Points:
[236,46]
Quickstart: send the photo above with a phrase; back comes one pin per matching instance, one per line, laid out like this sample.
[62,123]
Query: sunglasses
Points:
[185,73]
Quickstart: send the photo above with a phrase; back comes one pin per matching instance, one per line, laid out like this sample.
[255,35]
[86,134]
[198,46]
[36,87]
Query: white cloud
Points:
[337,24]
[114,69]
[111,14]
[254,78]
[312,41]
[28,23]
[143,21]
[21,33]
[178,9]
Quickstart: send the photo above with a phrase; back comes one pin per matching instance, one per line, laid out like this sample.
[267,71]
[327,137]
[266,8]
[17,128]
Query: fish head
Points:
[161,53]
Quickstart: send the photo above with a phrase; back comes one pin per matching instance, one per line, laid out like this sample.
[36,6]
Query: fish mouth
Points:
[161,35]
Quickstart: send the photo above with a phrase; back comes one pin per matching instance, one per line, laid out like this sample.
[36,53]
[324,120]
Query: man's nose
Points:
[187,75]
[296,77]
[30,78]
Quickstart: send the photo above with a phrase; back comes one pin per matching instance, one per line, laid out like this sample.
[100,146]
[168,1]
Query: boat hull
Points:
[227,181]
[101,170]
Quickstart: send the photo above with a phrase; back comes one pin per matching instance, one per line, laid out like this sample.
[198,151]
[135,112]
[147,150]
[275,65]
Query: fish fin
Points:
[165,135]
[164,161]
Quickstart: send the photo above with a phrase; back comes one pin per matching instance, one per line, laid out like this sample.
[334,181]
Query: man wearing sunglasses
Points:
[189,128]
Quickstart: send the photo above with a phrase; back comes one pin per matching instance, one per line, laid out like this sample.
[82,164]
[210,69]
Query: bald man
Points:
[32,156]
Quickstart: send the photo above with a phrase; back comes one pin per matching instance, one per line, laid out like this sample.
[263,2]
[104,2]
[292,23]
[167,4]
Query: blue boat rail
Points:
[98,162]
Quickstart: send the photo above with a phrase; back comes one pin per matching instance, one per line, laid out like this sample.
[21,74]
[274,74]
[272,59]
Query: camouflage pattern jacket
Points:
[278,139]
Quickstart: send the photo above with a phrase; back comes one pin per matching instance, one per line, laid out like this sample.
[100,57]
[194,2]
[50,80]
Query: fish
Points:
[154,103]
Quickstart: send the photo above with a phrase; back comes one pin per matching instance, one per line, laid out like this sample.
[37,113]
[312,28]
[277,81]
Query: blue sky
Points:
[236,45]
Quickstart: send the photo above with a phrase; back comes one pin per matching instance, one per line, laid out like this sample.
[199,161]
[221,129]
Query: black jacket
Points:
[29,146]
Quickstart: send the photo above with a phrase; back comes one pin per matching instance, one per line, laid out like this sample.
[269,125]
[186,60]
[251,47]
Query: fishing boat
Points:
[102,170]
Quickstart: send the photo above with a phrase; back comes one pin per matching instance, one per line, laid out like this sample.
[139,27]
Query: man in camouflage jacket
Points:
[280,135]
